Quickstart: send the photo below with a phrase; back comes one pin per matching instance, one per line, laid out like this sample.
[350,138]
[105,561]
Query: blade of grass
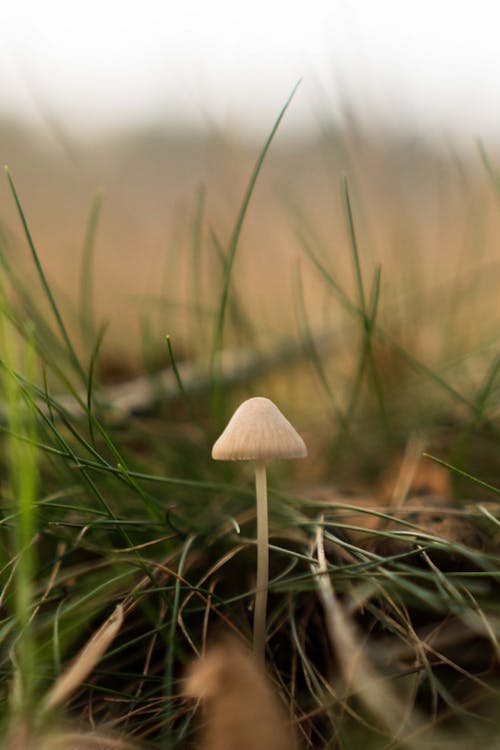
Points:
[90,379]
[86,306]
[463,473]
[233,242]
[491,170]
[44,338]
[234,307]
[312,350]
[171,644]
[354,247]
[413,362]
[175,370]
[198,219]
[185,395]
[364,354]
[22,462]
[43,279]
[487,386]
[368,314]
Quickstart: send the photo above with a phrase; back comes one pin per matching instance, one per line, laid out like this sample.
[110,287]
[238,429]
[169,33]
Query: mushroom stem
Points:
[259,619]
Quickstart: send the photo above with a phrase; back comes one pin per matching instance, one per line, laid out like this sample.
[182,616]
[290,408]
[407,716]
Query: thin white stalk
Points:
[259,619]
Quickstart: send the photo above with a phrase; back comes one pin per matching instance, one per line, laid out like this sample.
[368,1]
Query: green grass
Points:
[21,496]
[102,508]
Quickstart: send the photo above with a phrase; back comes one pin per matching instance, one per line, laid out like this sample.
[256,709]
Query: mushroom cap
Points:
[258,431]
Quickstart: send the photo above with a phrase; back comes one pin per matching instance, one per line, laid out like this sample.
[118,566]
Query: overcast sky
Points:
[431,64]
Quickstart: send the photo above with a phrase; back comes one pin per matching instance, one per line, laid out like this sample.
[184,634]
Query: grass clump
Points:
[125,549]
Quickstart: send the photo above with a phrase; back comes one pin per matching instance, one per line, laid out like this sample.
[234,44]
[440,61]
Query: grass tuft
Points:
[125,552]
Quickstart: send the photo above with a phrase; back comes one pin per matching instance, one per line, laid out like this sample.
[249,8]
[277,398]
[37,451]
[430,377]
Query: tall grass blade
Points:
[171,641]
[354,246]
[22,465]
[86,306]
[90,379]
[233,242]
[312,350]
[234,308]
[487,386]
[197,265]
[43,279]
[491,170]
[411,360]
[364,358]
[368,314]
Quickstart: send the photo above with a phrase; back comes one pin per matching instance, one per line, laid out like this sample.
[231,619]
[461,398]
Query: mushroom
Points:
[259,432]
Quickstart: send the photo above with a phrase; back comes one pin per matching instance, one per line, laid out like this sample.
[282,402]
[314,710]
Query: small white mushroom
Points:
[259,432]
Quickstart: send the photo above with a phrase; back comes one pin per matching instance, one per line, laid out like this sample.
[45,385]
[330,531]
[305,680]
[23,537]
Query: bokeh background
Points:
[164,108]
[363,299]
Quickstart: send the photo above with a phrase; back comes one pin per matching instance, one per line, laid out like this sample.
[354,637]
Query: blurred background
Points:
[430,67]
[161,110]
[361,294]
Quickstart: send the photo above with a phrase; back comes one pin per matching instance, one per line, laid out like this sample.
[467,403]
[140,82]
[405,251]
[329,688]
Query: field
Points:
[150,283]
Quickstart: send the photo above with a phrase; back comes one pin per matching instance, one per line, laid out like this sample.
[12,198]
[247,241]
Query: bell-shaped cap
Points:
[258,431]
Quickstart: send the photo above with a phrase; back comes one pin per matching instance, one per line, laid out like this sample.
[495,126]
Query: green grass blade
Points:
[43,279]
[368,315]
[23,477]
[235,236]
[411,360]
[354,247]
[314,355]
[197,265]
[463,474]
[171,641]
[487,386]
[365,359]
[86,306]
[372,317]
[90,378]
[491,170]
[188,401]
[234,307]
